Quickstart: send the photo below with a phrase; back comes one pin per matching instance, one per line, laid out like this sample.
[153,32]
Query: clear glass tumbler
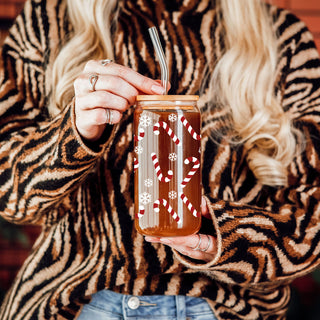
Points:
[167,165]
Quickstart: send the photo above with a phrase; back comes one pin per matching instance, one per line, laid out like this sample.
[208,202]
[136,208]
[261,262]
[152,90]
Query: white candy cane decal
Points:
[140,135]
[168,130]
[189,205]
[194,169]
[141,212]
[135,164]
[165,203]
[158,169]
[188,126]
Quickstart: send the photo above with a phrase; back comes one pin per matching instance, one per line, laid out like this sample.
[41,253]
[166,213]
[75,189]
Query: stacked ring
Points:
[109,116]
[197,247]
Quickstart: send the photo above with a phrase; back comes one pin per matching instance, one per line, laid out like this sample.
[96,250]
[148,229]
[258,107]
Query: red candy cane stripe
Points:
[188,126]
[165,203]
[140,135]
[141,212]
[135,164]
[158,169]
[168,130]
[194,169]
[189,205]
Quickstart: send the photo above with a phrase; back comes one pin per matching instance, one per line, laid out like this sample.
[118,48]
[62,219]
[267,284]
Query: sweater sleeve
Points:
[42,159]
[265,246]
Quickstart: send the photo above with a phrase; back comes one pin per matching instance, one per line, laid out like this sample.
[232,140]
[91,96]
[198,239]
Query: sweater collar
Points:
[169,5]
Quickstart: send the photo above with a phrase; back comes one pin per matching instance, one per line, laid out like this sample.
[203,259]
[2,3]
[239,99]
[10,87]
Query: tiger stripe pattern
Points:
[83,197]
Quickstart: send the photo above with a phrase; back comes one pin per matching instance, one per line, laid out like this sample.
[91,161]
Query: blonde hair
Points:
[92,21]
[243,78]
[243,81]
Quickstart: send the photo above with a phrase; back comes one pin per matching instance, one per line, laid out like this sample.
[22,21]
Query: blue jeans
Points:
[108,305]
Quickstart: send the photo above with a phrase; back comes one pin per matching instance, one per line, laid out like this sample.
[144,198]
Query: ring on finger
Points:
[106,61]
[93,80]
[109,119]
[197,247]
[108,116]
[208,245]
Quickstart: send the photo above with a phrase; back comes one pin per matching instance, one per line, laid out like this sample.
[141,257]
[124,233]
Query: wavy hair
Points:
[92,22]
[242,81]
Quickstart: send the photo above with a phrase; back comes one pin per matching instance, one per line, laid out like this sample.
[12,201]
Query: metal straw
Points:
[161,57]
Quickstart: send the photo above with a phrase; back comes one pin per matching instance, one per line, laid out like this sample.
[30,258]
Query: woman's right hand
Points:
[113,91]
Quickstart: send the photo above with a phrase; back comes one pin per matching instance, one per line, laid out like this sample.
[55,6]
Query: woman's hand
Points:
[196,246]
[103,92]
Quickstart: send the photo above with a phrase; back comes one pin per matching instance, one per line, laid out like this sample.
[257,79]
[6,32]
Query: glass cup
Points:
[167,165]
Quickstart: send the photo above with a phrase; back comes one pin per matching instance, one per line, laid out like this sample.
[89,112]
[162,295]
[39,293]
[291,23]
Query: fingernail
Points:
[157,89]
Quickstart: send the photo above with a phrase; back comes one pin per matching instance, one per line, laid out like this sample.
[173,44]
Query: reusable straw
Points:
[161,57]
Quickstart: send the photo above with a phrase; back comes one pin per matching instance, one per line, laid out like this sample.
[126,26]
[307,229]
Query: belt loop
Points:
[181,307]
[124,303]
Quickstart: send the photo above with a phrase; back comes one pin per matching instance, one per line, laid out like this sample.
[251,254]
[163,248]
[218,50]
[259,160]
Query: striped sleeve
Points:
[41,159]
[265,246]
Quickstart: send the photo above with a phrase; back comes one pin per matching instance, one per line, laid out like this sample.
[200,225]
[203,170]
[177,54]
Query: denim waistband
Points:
[110,305]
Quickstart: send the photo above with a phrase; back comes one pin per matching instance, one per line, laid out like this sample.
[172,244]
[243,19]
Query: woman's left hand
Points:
[196,246]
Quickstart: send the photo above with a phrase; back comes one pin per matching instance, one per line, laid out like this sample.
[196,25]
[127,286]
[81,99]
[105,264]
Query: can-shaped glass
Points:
[167,165]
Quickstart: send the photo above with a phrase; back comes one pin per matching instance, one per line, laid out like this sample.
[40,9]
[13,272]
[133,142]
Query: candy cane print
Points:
[140,135]
[158,169]
[188,126]
[189,205]
[165,203]
[168,130]
[135,164]
[193,170]
[141,212]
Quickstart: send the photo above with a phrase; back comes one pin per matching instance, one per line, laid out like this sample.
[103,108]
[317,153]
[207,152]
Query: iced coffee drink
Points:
[167,165]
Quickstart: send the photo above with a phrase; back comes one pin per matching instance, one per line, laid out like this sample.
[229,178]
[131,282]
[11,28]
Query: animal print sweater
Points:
[82,195]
